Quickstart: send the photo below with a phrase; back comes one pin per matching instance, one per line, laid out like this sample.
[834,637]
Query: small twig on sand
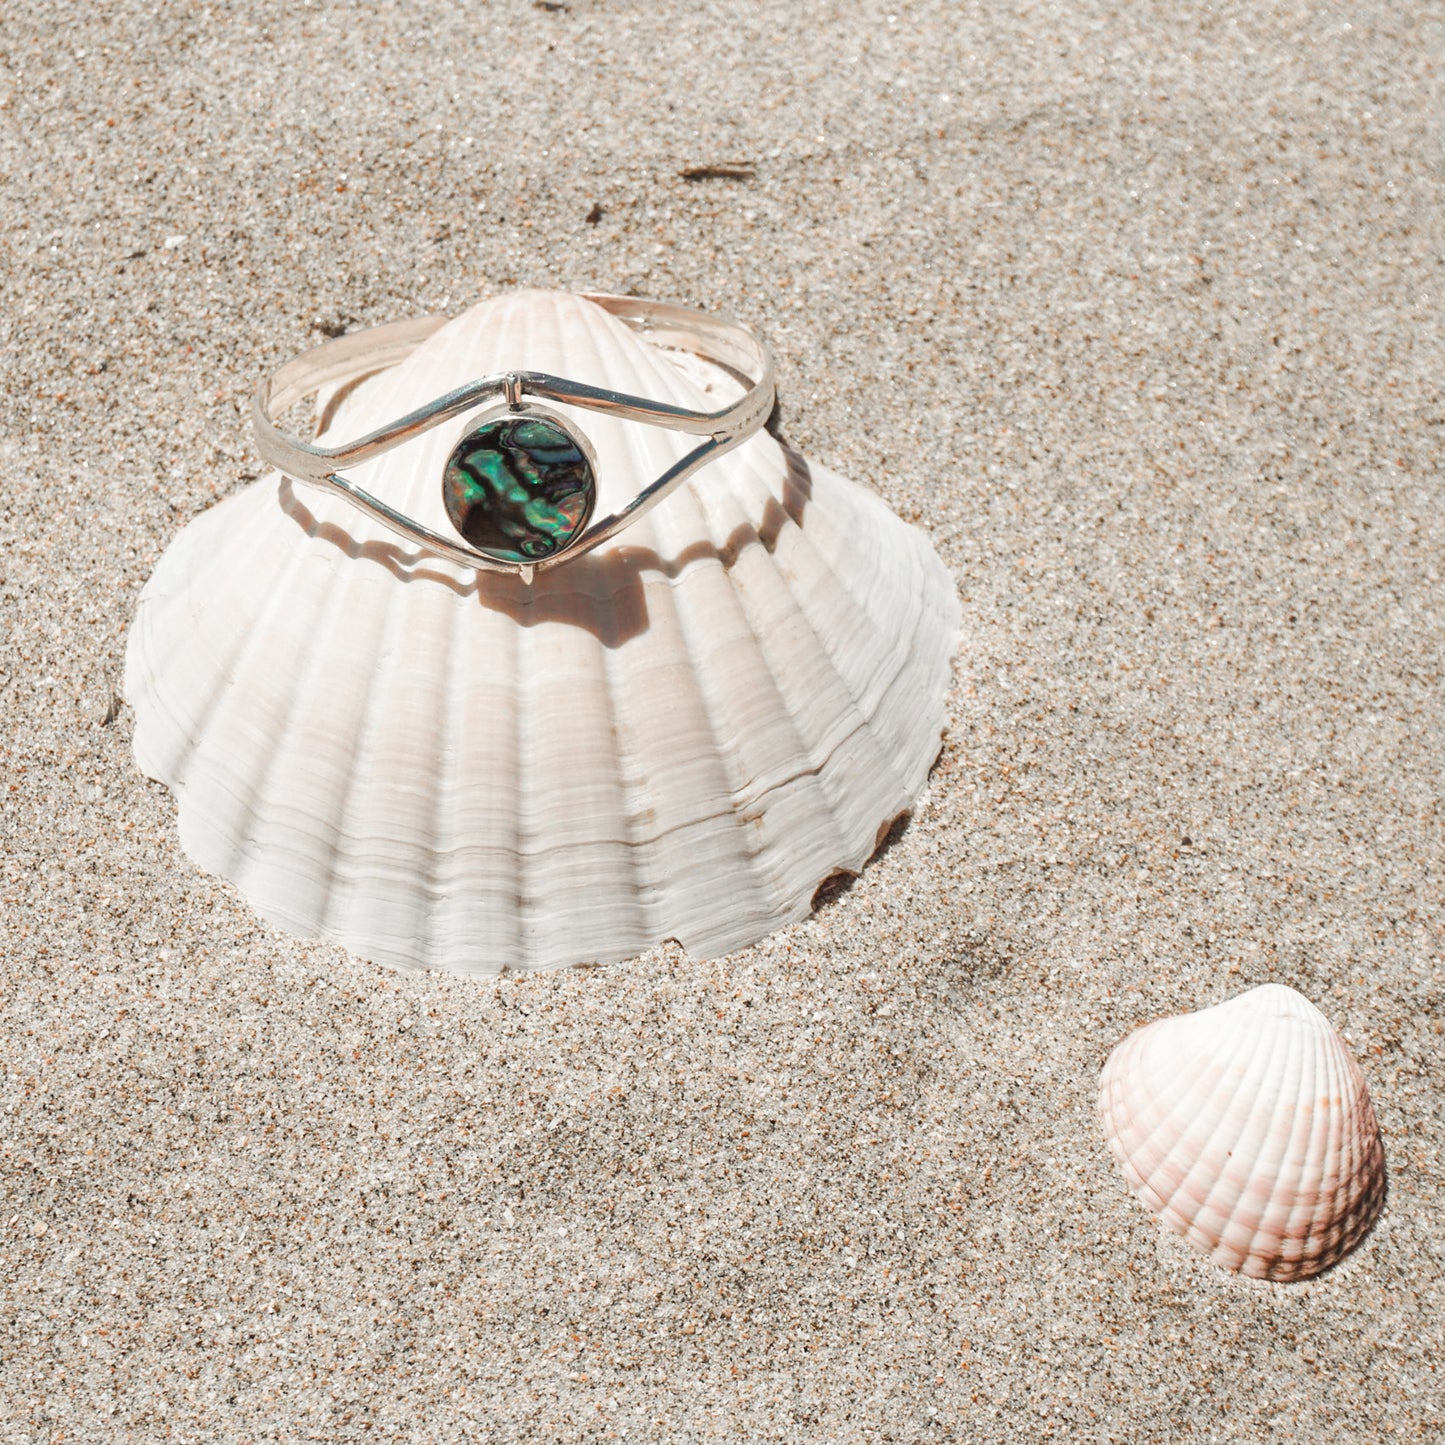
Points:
[720,171]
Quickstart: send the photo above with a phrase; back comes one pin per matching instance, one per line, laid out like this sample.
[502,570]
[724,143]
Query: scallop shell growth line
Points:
[1248,1129]
[678,735]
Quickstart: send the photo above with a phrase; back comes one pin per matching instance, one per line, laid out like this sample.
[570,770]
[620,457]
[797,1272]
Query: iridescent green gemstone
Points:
[519,488]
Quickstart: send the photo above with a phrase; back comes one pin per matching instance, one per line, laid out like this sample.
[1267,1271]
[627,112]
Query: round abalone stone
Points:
[519,488]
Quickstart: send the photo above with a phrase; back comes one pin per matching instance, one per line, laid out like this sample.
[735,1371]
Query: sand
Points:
[1136,311]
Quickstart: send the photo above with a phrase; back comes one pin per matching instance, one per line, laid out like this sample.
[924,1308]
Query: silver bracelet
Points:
[520,486]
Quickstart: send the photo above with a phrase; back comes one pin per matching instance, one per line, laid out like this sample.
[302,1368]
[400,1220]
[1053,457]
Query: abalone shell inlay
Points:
[519,488]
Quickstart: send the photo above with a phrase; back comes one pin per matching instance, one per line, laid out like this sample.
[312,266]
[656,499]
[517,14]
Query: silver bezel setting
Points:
[521,411]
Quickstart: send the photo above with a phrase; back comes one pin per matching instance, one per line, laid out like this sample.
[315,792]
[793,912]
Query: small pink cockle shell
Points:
[1248,1129]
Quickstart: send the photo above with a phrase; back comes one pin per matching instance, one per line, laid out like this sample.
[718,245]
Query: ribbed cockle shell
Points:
[1247,1128]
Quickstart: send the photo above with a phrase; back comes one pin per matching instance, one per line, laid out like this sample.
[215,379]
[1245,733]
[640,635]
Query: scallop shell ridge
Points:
[679,735]
[1248,1129]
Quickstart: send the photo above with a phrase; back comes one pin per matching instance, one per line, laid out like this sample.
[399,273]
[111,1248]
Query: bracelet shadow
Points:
[602,591]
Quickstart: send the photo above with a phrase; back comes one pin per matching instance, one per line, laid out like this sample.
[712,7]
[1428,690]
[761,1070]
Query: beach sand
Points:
[1136,311]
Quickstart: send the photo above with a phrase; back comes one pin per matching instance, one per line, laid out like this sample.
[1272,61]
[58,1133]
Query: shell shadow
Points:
[601,591]
[837,883]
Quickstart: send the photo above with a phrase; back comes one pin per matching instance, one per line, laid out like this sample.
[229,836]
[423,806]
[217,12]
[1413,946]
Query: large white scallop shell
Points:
[679,735]
[1248,1129]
